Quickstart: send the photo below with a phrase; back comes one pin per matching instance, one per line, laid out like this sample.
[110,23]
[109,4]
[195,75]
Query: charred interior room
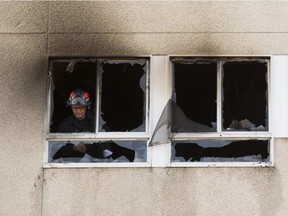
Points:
[223,95]
[119,87]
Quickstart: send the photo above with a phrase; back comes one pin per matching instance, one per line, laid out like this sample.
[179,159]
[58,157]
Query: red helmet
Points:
[79,97]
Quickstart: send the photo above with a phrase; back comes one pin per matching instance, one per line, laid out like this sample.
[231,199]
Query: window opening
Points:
[112,151]
[66,77]
[245,95]
[240,87]
[114,91]
[220,151]
[194,95]
[123,97]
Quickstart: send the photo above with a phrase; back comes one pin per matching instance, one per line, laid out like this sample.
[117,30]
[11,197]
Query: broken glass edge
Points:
[132,62]
[266,60]
[217,59]
[227,143]
[139,147]
[140,61]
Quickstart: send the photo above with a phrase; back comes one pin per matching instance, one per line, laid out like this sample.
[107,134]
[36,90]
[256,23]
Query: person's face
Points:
[79,111]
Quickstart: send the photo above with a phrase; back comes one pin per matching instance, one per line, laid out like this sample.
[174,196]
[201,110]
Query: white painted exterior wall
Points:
[30,31]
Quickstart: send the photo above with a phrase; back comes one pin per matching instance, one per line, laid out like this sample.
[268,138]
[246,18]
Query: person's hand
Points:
[80,148]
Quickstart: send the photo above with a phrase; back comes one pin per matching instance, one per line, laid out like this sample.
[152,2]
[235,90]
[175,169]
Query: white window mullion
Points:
[161,89]
[219,96]
[98,95]
[279,87]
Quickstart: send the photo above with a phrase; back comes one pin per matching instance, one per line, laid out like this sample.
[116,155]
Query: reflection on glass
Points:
[97,152]
[220,151]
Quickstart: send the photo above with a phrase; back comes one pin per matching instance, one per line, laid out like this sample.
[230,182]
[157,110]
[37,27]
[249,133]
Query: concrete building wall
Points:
[30,31]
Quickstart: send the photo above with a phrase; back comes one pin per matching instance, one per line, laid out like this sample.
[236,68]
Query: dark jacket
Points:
[73,125]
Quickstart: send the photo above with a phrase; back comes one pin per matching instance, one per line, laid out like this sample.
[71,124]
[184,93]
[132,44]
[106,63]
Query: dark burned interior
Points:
[195,91]
[122,104]
[83,76]
[245,89]
[122,98]
[235,149]
[243,108]
[244,94]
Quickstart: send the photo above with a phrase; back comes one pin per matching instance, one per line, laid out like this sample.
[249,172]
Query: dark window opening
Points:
[195,95]
[123,96]
[220,151]
[117,92]
[66,78]
[115,151]
[245,95]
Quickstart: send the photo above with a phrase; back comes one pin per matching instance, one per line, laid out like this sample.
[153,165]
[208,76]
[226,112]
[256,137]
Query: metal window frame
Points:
[160,70]
[221,134]
[143,136]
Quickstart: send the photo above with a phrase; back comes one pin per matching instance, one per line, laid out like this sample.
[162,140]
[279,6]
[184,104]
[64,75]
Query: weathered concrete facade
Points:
[30,31]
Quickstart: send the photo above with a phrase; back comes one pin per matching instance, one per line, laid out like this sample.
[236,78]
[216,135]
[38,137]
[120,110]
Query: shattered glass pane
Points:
[194,108]
[220,151]
[245,96]
[68,75]
[123,97]
[97,152]
[161,133]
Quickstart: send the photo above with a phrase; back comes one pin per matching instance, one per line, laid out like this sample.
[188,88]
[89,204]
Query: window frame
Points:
[220,133]
[159,91]
[97,136]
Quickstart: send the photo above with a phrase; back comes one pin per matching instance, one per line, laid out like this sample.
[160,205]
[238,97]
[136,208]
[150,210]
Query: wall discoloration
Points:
[168,16]
[172,44]
[29,31]
[21,122]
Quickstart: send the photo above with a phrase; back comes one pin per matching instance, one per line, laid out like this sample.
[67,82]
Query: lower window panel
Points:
[220,151]
[97,151]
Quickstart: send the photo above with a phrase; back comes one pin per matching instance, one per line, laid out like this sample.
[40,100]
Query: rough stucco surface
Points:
[21,123]
[22,90]
[168,16]
[31,29]
[174,191]
[23,17]
[181,44]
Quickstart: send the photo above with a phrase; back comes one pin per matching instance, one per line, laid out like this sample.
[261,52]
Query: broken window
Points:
[122,98]
[66,76]
[194,96]
[116,151]
[117,92]
[220,151]
[245,95]
[219,95]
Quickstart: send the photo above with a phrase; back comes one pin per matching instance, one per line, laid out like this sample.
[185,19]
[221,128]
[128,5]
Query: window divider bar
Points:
[223,135]
[49,99]
[98,93]
[219,96]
